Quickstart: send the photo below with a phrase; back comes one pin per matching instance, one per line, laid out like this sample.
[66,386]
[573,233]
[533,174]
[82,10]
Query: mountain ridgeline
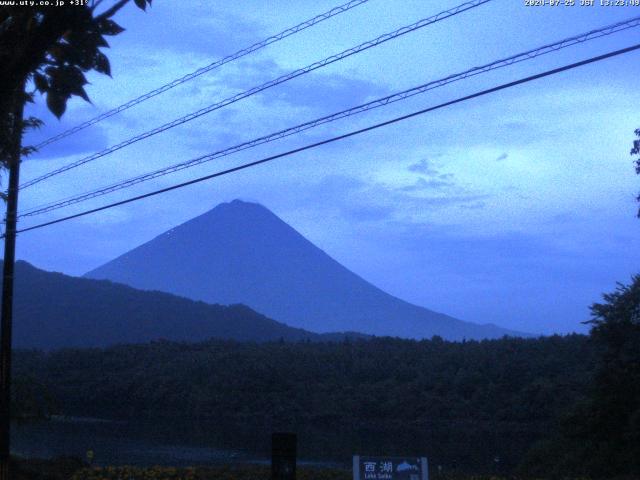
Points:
[241,252]
[52,310]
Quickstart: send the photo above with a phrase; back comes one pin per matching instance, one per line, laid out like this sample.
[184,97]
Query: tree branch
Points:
[113,10]
[95,4]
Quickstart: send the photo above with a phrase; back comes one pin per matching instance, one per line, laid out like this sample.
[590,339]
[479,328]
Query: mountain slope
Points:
[52,310]
[242,253]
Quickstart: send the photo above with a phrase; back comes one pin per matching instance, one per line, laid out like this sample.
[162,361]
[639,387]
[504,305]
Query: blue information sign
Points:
[390,468]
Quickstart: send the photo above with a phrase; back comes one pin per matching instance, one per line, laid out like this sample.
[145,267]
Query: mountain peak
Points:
[237,203]
[241,252]
[237,210]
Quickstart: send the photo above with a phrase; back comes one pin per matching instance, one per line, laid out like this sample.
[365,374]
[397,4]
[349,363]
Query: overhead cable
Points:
[272,83]
[212,66]
[528,55]
[339,137]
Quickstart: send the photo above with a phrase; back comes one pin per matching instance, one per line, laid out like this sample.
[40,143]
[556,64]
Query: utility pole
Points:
[27,39]
[13,164]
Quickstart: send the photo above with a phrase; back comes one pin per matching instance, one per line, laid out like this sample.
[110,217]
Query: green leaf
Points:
[32,122]
[109,27]
[26,151]
[56,103]
[51,71]
[41,82]
[28,97]
[57,51]
[102,64]
[80,92]
[100,41]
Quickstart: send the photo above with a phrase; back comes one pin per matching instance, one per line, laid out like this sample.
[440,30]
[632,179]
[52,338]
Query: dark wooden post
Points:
[283,456]
[13,163]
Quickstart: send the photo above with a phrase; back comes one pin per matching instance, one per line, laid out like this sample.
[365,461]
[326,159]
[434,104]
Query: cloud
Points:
[92,140]
[441,181]
[318,91]
[424,167]
[226,32]
[368,213]
[431,179]
[323,92]
[375,202]
[460,200]
[89,140]
[336,186]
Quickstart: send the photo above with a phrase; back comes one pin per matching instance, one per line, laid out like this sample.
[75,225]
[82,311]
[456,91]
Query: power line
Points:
[340,137]
[534,53]
[212,66]
[284,78]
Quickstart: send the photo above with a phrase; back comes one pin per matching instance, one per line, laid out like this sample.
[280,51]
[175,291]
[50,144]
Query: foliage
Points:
[224,472]
[52,47]
[600,437]
[61,468]
[613,415]
[636,151]
[31,400]
[127,472]
[235,472]
[73,469]
[462,404]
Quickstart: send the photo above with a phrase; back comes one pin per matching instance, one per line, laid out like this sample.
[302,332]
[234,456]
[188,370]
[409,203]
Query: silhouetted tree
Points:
[614,412]
[49,47]
[600,437]
[636,151]
[52,47]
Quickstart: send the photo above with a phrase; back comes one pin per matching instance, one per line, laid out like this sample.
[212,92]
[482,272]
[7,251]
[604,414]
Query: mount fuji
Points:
[241,252]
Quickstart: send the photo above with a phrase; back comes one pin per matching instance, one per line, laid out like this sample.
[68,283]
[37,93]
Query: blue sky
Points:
[517,208]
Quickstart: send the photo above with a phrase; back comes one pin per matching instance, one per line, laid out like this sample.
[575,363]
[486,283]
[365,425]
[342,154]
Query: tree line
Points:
[549,405]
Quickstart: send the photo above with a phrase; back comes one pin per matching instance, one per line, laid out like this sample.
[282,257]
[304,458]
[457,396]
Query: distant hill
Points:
[241,252]
[52,310]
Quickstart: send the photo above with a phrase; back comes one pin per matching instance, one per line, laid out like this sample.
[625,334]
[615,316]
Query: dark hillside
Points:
[53,310]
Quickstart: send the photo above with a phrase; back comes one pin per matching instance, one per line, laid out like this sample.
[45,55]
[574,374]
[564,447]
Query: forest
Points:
[558,404]
[468,403]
